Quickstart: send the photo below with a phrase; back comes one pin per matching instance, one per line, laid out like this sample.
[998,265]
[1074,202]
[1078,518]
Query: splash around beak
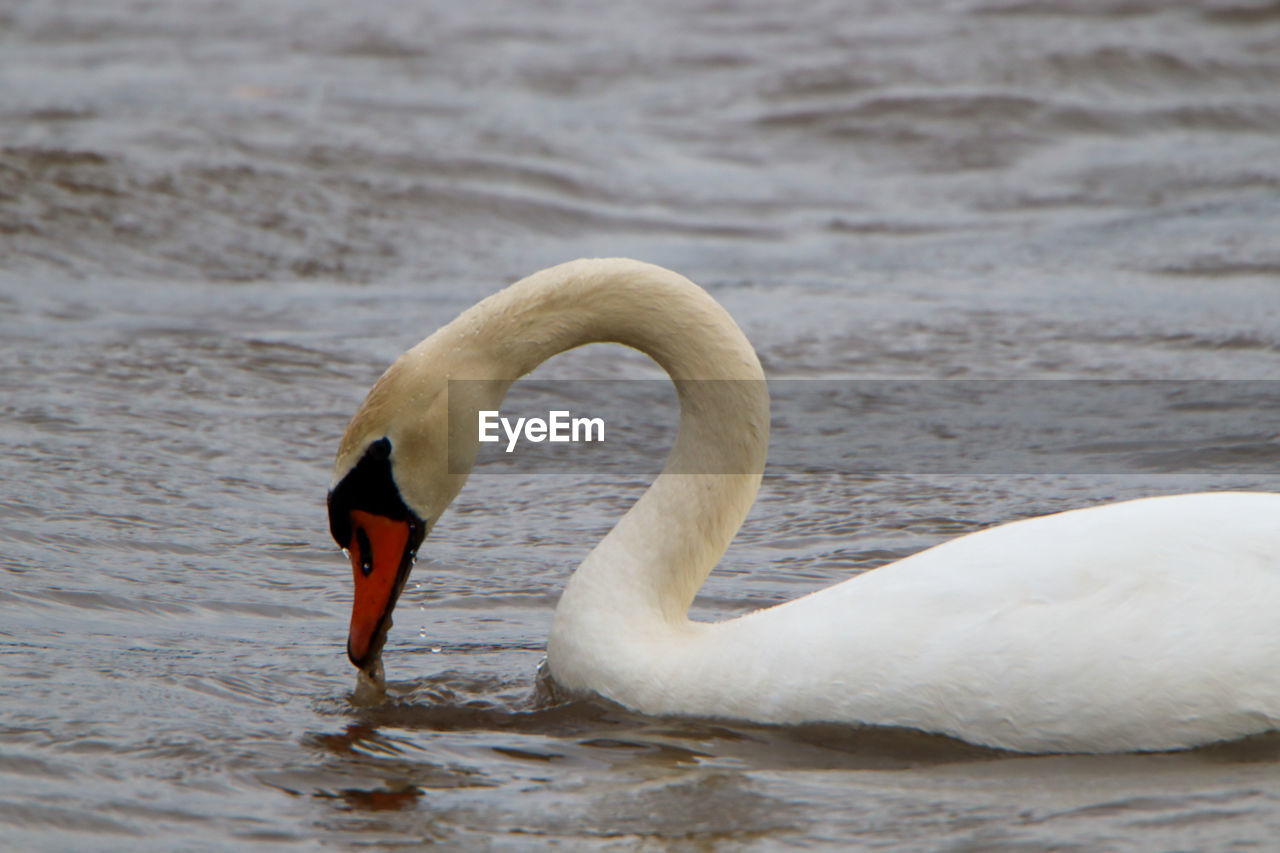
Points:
[382,553]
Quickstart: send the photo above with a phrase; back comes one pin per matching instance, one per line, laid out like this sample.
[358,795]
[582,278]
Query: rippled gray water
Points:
[219,221]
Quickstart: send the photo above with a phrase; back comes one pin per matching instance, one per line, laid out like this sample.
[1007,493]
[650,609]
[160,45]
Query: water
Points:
[219,222]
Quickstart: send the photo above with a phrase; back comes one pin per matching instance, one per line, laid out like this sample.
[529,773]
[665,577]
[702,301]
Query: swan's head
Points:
[398,468]
[369,518]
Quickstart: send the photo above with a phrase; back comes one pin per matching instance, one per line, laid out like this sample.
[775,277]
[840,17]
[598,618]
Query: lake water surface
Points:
[219,222]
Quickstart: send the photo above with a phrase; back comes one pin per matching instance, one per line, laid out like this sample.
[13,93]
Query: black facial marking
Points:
[370,487]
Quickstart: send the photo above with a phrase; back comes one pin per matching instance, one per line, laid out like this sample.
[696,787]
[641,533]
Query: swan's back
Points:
[1150,624]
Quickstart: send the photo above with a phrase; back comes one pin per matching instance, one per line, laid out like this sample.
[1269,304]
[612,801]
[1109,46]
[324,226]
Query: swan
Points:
[1151,624]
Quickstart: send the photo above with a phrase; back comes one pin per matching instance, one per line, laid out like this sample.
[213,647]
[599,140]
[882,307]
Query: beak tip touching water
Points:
[371,682]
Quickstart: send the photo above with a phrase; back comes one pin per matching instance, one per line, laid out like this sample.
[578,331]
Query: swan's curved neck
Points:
[652,563]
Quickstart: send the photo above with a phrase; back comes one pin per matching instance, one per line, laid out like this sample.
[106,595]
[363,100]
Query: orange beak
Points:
[380,561]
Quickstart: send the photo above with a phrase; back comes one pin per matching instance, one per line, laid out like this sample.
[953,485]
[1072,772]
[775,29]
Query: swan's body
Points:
[1146,625]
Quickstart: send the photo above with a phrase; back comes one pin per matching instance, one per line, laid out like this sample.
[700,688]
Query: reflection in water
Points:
[380,801]
[713,780]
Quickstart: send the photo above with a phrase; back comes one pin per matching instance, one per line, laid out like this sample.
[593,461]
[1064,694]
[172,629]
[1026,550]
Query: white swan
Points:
[1147,625]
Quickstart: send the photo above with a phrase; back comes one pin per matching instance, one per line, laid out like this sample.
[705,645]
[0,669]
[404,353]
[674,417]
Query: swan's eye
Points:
[365,550]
